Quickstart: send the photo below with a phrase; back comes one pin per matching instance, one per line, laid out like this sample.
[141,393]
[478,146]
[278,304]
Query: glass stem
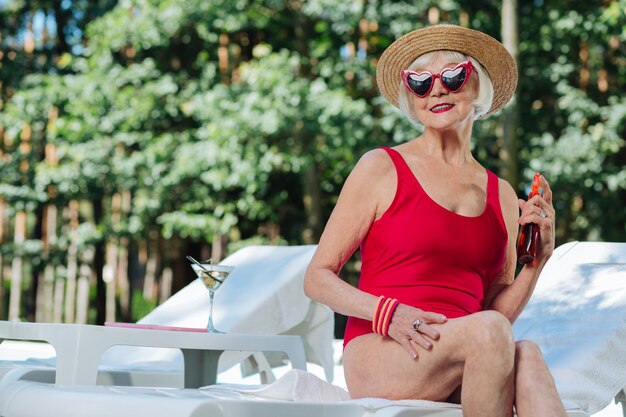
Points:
[210,326]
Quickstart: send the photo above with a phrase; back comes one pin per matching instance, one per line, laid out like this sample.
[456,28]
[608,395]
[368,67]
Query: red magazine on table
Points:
[155,327]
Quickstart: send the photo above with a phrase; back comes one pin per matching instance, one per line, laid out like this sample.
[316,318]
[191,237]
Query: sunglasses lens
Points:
[454,79]
[420,83]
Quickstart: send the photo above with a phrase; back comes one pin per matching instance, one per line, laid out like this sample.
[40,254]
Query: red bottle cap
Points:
[534,187]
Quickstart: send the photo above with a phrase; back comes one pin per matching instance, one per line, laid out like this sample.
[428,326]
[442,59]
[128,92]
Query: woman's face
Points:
[441,109]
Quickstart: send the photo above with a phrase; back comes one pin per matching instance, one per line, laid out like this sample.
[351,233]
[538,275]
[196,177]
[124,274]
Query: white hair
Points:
[483,101]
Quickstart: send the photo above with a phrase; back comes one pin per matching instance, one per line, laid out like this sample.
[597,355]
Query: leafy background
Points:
[135,132]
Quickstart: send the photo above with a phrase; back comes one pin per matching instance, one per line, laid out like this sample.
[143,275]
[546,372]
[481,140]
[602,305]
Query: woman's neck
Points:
[450,146]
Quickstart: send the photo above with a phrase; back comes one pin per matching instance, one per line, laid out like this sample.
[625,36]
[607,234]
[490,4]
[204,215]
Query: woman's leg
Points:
[477,351]
[488,375]
[535,391]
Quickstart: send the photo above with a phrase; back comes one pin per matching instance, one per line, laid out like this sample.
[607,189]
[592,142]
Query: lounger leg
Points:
[80,368]
[620,398]
[200,367]
[265,370]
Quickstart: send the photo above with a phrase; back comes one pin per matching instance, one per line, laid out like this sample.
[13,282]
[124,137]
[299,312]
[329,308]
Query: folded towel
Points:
[299,385]
[295,385]
[302,386]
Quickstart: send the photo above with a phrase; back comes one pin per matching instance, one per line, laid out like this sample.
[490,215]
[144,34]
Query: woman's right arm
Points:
[367,192]
[366,195]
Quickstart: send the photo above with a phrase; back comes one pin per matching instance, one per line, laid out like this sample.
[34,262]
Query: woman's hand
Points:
[404,323]
[539,210]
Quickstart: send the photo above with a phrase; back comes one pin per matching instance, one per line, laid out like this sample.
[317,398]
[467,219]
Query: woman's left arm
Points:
[511,299]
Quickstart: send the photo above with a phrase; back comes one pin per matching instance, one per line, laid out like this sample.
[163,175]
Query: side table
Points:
[79,347]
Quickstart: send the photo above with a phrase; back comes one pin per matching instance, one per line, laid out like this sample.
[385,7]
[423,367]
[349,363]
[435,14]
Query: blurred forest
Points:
[135,132]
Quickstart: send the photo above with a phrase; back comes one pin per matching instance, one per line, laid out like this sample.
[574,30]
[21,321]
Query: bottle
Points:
[529,233]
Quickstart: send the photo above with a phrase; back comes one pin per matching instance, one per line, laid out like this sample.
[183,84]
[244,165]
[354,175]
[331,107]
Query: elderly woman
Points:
[431,318]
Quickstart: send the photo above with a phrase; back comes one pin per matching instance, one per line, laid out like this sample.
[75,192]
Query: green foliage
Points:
[572,92]
[211,113]
[140,307]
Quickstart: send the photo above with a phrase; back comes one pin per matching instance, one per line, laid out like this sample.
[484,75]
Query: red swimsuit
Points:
[428,256]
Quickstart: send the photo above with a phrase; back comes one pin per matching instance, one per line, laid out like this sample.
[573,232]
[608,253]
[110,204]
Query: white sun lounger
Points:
[297,393]
[262,296]
[581,283]
[578,316]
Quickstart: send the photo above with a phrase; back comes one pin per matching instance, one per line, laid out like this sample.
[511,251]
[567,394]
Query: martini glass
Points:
[212,276]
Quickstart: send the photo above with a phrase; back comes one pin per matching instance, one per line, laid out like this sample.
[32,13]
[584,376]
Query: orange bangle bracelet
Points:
[381,315]
[388,316]
[376,313]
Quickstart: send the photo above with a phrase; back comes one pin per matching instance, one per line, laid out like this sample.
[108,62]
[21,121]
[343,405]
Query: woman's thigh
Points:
[380,367]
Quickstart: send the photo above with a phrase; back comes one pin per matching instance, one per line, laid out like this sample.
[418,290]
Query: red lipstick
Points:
[441,107]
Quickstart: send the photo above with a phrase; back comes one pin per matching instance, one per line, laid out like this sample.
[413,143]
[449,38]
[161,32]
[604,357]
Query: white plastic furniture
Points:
[262,296]
[577,315]
[79,348]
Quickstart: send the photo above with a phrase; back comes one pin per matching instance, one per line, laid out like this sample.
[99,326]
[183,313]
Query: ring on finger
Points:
[416,324]
[543,214]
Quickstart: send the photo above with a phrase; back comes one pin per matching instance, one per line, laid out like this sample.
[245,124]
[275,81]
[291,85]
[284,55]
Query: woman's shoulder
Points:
[507,193]
[373,174]
[508,201]
[373,163]
[376,155]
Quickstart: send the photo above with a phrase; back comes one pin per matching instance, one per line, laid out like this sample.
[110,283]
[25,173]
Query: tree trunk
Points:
[312,207]
[45,294]
[2,240]
[112,259]
[61,23]
[57,306]
[70,287]
[16,289]
[311,178]
[165,288]
[174,251]
[149,253]
[1,287]
[72,265]
[32,295]
[218,247]
[98,266]
[108,276]
[123,286]
[15,299]
[510,117]
[82,293]
[123,283]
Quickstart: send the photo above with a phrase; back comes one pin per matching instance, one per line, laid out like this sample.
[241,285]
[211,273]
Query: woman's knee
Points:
[491,337]
[495,329]
[528,353]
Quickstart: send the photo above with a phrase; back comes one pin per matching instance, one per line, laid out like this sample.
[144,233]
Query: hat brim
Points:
[490,53]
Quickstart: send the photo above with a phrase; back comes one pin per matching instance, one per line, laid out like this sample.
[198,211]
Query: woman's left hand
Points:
[539,210]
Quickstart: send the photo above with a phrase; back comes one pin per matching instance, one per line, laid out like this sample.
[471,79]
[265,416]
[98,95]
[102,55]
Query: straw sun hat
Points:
[492,55]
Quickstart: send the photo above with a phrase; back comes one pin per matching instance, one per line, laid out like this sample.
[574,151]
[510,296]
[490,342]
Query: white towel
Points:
[295,385]
[302,386]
